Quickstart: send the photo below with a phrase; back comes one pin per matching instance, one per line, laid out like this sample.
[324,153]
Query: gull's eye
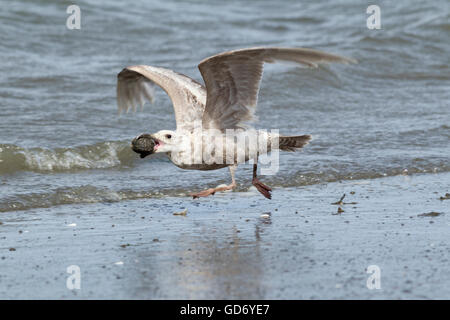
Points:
[168,136]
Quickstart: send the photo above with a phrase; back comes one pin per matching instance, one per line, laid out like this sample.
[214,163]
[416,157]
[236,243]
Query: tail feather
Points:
[292,143]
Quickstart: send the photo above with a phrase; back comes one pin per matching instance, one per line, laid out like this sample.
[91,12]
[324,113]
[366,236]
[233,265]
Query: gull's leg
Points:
[265,190]
[211,191]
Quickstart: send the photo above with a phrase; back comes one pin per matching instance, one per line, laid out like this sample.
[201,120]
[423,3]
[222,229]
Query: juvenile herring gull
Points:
[212,121]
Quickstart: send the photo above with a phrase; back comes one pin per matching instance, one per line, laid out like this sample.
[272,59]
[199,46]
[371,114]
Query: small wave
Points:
[297,20]
[74,195]
[98,156]
[304,179]
[386,40]
[443,130]
[91,194]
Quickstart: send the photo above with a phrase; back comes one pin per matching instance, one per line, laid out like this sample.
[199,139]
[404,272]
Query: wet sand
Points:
[238,245]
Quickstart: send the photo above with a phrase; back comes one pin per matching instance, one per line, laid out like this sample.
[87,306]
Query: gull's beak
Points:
[144,145]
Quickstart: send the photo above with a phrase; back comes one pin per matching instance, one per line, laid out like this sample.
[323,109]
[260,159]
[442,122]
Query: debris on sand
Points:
[445,197]
[339,211]
[430,214]
[181,213]
[265,215]
[341,202]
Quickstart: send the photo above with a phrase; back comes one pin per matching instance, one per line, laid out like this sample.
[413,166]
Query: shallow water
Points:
[237,246]
[60,133]
[63,144]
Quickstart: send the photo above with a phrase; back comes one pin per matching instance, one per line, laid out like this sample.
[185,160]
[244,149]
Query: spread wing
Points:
[232,81]
[135,85]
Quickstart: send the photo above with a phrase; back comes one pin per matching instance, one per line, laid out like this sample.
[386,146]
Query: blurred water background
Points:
[61,141]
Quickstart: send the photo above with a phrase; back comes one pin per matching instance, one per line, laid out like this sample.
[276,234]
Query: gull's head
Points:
[161,142]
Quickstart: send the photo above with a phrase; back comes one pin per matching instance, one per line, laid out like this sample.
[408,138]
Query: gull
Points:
[211,119]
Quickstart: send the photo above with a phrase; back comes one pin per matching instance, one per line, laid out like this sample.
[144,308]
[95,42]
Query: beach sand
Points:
[238,245]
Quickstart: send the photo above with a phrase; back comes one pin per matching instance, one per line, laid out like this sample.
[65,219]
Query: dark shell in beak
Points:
[144,145]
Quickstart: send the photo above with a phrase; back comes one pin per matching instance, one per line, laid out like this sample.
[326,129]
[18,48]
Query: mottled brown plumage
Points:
[227,101]
[292,143]
[232,81]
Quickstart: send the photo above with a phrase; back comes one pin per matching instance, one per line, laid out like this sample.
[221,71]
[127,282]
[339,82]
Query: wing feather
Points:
[233,78]
[135,84]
